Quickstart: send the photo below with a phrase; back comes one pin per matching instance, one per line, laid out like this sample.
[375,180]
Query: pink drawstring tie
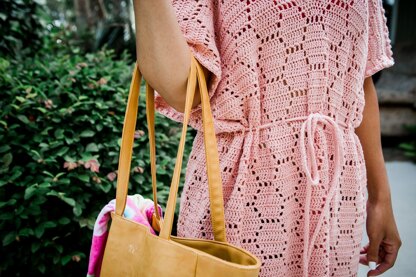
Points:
[312,173]
[310,125]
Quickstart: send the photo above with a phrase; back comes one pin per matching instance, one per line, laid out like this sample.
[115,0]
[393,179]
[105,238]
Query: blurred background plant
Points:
[97,23]
[22,27]
[409,147]
[61,116]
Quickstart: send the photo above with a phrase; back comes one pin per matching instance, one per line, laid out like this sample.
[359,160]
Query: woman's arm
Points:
[162,51]
[384,238]
[369,134]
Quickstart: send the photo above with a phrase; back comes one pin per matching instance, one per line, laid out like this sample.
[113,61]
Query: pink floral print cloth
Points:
[137,209]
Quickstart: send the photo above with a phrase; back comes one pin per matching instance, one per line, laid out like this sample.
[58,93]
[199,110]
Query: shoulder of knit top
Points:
[380,53]
[197,20]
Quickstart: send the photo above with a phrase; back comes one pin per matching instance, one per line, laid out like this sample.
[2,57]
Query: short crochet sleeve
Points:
[196,19]
[380,54]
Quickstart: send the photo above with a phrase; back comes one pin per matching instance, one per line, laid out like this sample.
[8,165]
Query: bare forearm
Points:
[162,51]
[369,134]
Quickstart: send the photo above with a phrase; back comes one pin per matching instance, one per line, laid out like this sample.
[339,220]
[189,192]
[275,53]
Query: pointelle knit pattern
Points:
[286,94]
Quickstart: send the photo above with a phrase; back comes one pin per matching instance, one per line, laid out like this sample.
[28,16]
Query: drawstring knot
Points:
[313,177]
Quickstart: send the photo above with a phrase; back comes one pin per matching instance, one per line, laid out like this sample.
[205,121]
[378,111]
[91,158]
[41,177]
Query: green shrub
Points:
[409,147]
[61,116]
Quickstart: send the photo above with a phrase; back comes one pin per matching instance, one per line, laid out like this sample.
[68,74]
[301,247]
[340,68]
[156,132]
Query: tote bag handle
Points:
[210,143]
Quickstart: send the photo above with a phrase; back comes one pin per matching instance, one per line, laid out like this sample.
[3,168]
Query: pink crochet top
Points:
[286,94]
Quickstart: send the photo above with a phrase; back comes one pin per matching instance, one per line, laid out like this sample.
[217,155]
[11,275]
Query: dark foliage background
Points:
[61,115]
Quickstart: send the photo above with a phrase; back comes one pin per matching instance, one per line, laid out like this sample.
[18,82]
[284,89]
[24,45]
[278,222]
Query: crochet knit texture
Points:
[286,93]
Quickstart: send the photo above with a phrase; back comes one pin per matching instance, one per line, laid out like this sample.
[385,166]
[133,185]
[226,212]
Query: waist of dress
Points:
[309,162]
[317,116]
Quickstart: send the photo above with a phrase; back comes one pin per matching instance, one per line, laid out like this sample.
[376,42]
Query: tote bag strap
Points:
[150,116]
[210,143]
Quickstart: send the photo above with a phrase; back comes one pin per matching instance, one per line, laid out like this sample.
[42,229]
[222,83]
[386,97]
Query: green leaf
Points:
[4,123]
[59,134]
[20,98]
[9,238]
[48,173]
[62,151]
[87,133]
[86,156]
[69,141]
[68,200]
[25,232]
[65,181]
[77,210]
[30,191]
[35,246]
[59,247]
[160,170]
[7,159]
[36,153]
[91,147]
[406,146]
[84,178]
[62,196]
[106,187]
[49,224]
[57,176]
[15,175]
[11,202]
[64,221]
[42,268]
[4,148]
[42,110]
[66,259]
[69,159]
[56,120]
[83,222]
[56,259]
[39,230]
[23,118]
[44,145]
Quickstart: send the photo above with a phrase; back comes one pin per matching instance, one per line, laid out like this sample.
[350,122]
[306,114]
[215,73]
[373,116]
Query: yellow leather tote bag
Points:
[131,250]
